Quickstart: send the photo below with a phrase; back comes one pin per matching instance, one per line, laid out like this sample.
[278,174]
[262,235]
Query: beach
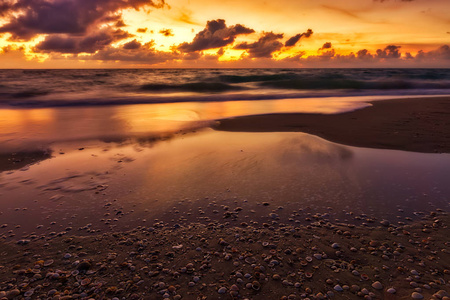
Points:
[343,205]
[420,125]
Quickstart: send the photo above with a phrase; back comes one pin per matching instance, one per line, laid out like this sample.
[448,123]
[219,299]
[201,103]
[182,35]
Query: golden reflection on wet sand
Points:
[25,128]
[172,178]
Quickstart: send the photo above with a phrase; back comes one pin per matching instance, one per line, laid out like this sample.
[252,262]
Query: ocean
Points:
[93,87]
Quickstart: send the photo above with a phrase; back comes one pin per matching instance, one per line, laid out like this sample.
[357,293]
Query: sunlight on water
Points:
[28,126]
[151,177]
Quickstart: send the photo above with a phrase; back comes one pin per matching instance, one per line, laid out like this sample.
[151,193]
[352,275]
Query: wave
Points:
[198,87]
[34,88]
[254,78]
[324,84]
[103,101]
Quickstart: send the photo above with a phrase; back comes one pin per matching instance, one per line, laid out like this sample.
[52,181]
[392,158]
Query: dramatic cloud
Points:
[134,52]
[142,30]
[28,18]
[293,40]
[390,56]
[166,32]
[327,45]
[364,54]
[442,52]
[390,51]
[89,44]
[264,47]
[134,44]
[215,35]
[120,23]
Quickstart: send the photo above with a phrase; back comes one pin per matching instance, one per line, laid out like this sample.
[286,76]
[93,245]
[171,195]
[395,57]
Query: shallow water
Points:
[35,129]
[196,176]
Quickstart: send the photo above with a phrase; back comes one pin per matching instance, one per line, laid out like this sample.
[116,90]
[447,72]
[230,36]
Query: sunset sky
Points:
[226,33]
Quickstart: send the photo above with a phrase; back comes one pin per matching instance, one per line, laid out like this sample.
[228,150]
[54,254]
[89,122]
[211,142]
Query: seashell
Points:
[391,290]
[48,262]
[338,288]
[377,285]
[250,260]
[416,295]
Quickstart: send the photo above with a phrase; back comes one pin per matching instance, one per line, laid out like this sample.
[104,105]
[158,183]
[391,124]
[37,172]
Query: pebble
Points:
[222,290]
[338,288]
[377,285]
[416,295]
[355,288]
[12,293]
[391,290]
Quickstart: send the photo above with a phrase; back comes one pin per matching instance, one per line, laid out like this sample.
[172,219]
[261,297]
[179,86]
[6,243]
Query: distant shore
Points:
[417,124]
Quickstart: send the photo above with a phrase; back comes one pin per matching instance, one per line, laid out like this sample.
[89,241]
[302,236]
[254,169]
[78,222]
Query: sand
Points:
[224,260]
[289,255]
[418,124]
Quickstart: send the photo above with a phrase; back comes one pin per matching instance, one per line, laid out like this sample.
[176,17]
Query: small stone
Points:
[385,223]
[416,295]
[222,290]
[391,290]
[355,288]
[335,246]
[12,293]
[338,288]
[234,288]
[377,285]
[441,294]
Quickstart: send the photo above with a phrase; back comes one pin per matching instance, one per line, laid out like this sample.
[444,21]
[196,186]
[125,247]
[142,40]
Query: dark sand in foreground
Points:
[420,125]
[236,258]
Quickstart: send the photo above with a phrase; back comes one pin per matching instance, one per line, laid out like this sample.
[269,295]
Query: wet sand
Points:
[223,215]
[421,125]
[233,260]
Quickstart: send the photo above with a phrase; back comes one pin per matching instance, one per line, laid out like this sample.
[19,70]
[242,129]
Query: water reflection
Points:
[194,176]
[22,129]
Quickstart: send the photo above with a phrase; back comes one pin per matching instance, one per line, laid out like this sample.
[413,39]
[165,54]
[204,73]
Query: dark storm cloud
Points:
[28,18]
[89,44]
[364,54]
[264,47]
[166,32]
[134,44]
[120,23]
[215,35]
[293,40]
[390,51]
[442,52]
[327,45]
[145,54]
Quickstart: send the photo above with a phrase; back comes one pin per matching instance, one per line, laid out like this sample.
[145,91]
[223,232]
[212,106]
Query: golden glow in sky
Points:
[227,33]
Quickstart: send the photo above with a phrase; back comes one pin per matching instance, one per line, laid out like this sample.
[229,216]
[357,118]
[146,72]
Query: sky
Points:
[224,34]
